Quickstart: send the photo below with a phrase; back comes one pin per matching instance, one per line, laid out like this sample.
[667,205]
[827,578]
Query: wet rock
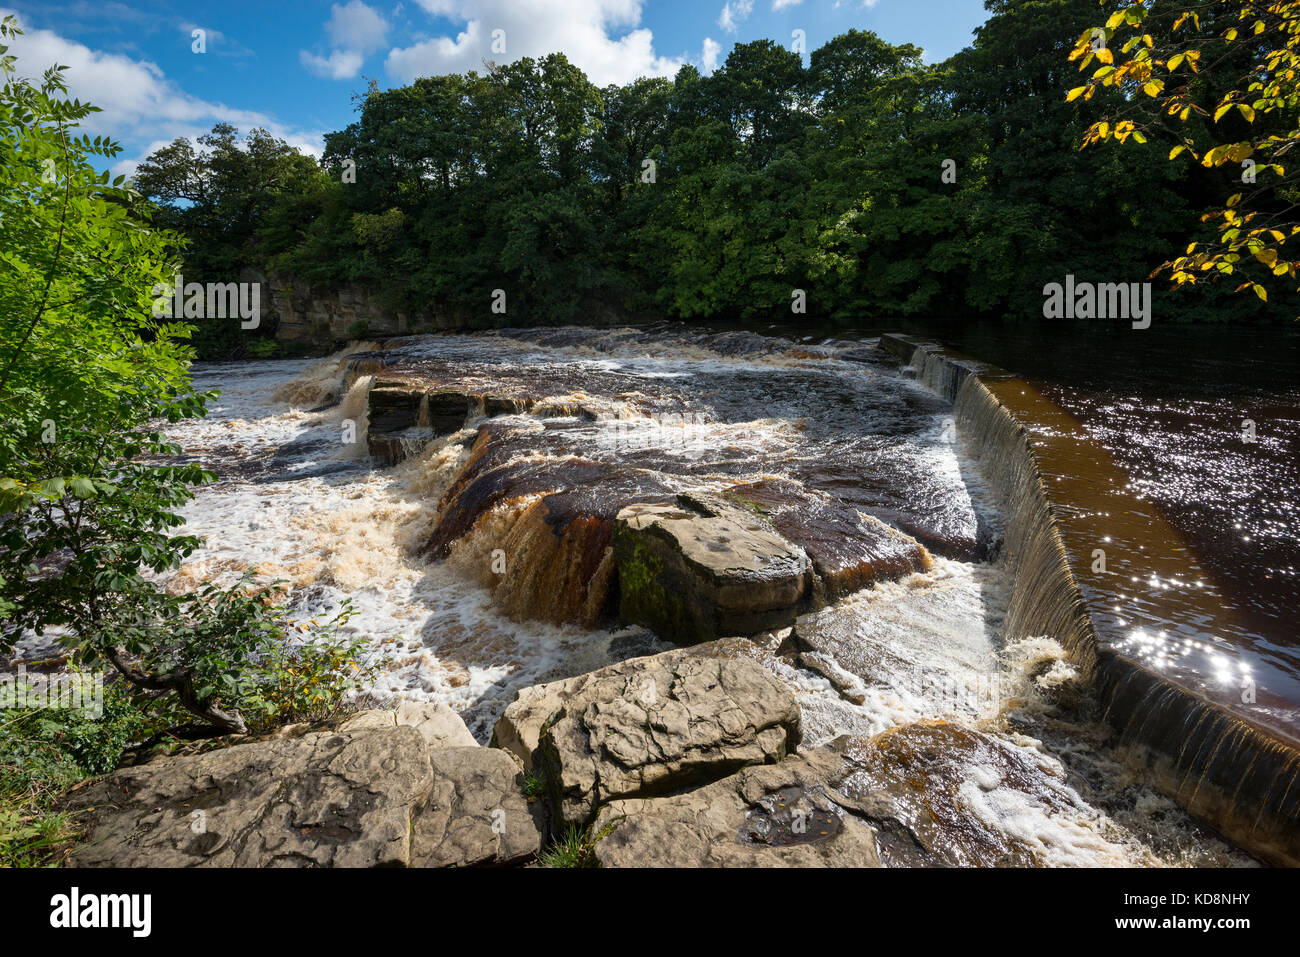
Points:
[652,727]
[404,416]
[933,648]
[439,725]
[326,799]
[926,794]
[477,814]
[849,550]
[696,571]
[393,406]
[940,794]
[782,815]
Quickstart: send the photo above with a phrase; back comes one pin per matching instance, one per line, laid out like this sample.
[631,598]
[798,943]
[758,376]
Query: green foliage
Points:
[534,787]
[89,485]
[575,847]
[45,751]
[768,177]
[310,680]
[240,203]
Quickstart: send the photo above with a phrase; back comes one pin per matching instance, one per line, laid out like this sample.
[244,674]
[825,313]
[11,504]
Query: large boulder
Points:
[519,728]
[477,814]
[325,799]
[783,815]
[405,788]
[654,725]
[699,570]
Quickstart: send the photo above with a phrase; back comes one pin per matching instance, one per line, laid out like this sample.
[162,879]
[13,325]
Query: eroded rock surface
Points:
[325,799]
[696,571]
[405,788]
[929,794]
[439,725]
[940,794]
[477,814]
[519,728]
[648,726]
[782,815]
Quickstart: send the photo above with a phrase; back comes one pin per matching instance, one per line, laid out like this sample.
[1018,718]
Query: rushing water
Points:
[622,415]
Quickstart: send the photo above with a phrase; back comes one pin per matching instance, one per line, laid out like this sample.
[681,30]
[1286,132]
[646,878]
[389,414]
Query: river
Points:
[612,416]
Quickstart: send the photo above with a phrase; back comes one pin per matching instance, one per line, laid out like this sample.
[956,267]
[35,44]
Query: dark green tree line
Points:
[714,196]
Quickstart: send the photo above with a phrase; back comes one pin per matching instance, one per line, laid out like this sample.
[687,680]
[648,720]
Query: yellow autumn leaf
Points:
[1075,93]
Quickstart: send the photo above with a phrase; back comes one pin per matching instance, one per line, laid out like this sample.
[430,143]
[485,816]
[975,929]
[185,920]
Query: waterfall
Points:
[1221,762]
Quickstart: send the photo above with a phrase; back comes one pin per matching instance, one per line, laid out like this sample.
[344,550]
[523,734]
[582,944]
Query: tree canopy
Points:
[870,182]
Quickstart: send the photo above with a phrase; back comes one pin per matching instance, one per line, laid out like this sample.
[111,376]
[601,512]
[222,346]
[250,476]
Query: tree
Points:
[87,369]
[1223,79]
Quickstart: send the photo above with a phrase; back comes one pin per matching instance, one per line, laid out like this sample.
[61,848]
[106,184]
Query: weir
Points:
[1210,721]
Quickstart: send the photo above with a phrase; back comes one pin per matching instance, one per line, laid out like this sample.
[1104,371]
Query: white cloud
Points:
[354,30]
[709,55]
[339,65]
[356,27]
[733,12]
[782,4]
[583,30]
[141,107]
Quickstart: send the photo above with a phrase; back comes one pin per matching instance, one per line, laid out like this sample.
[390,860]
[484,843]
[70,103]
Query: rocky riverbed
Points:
[716,598]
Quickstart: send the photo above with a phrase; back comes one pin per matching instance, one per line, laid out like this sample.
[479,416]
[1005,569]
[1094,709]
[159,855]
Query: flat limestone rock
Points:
[519,728]
[439,725]
[782,815]
[694,573]
[477,814]
[929,794]
[652,725]
[326,799]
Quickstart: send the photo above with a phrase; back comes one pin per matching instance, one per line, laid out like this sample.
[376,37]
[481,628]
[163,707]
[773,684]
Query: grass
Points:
[34,771]
[534,787]
[576,847]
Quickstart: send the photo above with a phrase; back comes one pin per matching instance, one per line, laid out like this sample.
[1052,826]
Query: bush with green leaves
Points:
[90,487]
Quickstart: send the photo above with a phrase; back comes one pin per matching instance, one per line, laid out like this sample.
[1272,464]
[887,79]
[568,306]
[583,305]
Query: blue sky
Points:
[292,67]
